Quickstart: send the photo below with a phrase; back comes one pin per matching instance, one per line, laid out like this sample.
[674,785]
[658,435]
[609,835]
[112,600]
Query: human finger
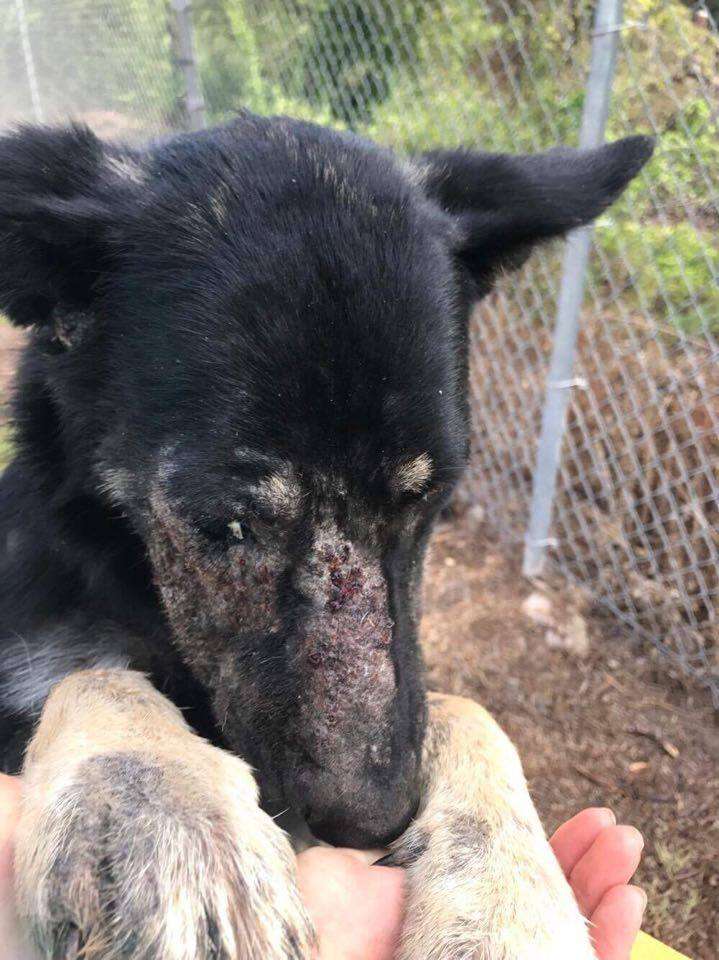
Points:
[611,860]
[616,921]
[574,838]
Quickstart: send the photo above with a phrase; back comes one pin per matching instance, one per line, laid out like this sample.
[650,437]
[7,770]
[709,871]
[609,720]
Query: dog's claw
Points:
[68,943]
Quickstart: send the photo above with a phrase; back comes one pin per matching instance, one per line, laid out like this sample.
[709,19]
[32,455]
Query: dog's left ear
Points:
[505,204]
[58,207]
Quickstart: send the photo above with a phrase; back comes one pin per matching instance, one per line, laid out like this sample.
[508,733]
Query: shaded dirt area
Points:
[597,719]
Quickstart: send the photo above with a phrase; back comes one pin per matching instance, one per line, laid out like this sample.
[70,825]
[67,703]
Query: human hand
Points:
[599,858]
[357,908]
[9,810]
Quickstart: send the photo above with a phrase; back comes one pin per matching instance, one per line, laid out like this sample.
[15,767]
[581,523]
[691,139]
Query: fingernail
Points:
[640,835]
[643,894]
[611,814]
[636,835]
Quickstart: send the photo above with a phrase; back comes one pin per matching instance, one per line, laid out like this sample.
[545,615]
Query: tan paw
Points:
[141,856]
[476,893]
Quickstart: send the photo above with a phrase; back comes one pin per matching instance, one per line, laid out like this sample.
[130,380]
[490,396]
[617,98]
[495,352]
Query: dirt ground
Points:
[597,719]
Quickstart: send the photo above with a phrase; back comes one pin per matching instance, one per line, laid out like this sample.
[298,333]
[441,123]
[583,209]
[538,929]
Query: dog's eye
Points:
[224,533]
[238,531]
[235,528]
[430,496]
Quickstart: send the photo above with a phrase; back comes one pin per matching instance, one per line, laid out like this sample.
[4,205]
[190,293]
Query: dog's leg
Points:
[483,883]
[138,840]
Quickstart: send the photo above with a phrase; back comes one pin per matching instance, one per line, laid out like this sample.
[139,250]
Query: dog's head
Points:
[254,343]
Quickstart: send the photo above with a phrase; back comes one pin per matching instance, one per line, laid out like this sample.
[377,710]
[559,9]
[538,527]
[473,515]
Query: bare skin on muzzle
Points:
[325,697]
[356,770]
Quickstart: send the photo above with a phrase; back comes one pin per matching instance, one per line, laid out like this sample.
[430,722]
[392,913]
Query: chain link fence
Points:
[636,512]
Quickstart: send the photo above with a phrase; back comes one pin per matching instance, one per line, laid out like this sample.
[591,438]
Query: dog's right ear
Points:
[57,188]
[504,205]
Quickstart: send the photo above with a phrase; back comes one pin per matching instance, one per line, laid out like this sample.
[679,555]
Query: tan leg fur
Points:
[138,840]
[483,883]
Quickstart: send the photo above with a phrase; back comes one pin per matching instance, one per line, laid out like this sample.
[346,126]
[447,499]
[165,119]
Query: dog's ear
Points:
[505,204]
[56,190]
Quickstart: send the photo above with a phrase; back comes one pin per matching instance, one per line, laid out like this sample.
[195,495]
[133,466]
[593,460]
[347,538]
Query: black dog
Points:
[242,405]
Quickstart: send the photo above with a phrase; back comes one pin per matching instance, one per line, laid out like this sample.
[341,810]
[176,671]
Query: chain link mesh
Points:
[637,514]
[108,64]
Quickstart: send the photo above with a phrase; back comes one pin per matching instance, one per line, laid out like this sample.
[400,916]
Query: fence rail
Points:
[636,508]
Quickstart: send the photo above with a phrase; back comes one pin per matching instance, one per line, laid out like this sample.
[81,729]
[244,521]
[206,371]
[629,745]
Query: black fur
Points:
[265,297]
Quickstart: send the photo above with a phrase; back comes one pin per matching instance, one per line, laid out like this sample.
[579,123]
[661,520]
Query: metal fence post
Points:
[560,380]
[187,61]
[29,60]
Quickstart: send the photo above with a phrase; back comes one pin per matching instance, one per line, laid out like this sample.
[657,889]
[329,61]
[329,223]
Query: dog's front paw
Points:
[485,892]
[142,856]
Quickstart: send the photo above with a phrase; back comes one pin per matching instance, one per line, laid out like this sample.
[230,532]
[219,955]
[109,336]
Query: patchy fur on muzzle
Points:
[348,759]
[303,679]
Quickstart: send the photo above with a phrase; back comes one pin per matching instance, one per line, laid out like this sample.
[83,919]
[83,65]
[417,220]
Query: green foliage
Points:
[229,61]
[488,77]
[671,270]
[688,160]
[360,46]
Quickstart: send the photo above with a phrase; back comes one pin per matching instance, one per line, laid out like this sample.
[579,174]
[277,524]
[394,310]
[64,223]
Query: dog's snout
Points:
[364,808]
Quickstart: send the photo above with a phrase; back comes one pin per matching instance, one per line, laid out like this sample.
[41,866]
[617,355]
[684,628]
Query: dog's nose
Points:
[367,820]
[365,807]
